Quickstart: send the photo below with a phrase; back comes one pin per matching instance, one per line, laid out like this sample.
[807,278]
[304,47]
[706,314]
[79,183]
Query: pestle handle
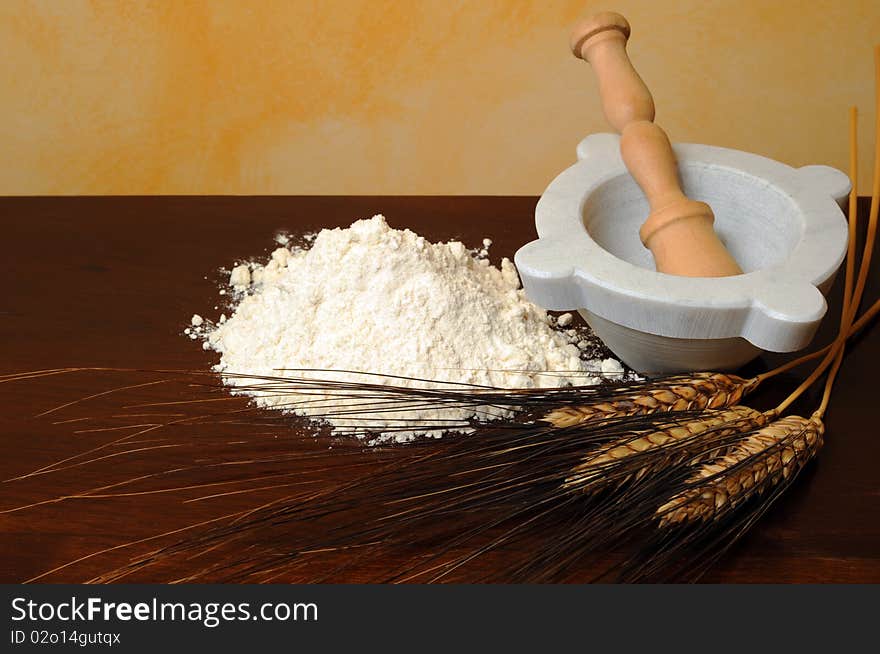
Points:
[601,40]
[648,156]
[679,231]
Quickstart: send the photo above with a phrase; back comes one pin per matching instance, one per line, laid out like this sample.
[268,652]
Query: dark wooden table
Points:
[112,282]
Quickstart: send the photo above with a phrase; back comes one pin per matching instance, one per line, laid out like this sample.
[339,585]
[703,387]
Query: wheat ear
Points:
[693,392]
[762,459]
[715,425]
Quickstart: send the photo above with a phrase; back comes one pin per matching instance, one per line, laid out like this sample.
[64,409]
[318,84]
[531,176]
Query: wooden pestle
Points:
[678,231]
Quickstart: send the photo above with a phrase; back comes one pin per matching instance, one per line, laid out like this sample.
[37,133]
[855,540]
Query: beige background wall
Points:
[370,96]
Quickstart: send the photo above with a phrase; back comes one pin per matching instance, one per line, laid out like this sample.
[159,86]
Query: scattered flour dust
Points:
[388,302]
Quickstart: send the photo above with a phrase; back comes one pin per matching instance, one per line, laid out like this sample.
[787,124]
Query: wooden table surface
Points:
[112,282]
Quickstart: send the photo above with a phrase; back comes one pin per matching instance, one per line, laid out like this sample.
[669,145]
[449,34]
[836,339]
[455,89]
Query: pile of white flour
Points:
[375,299]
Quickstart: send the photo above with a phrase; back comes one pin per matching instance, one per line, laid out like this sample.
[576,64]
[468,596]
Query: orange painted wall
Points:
[372,96]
